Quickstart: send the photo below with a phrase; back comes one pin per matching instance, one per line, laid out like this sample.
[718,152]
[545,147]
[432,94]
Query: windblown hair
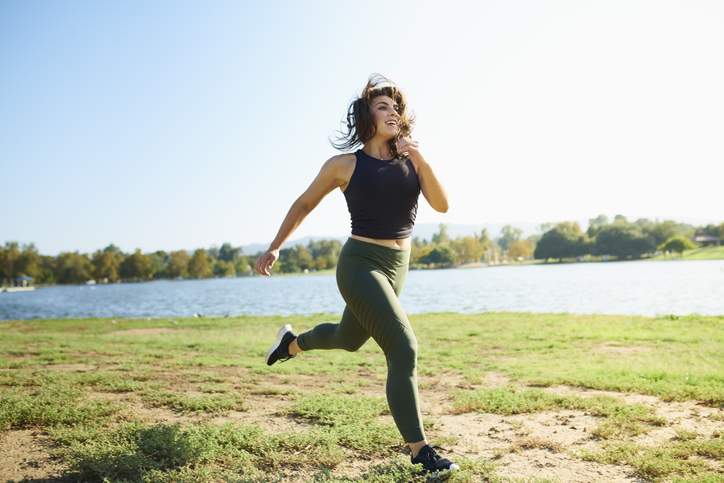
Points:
[360,122]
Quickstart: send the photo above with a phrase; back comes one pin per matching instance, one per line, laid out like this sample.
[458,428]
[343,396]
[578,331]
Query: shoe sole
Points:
[441,475]
[280,335]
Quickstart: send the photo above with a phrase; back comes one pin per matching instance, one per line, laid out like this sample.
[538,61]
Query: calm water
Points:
[640,287]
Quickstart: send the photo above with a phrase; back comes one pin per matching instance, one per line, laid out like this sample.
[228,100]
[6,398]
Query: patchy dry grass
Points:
[192,400]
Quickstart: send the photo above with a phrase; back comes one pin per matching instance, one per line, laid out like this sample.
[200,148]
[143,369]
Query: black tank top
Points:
[382,197]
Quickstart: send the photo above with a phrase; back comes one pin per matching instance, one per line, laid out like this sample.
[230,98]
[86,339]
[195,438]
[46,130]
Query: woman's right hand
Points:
[265,262]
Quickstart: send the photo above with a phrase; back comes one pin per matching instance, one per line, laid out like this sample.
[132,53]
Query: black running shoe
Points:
[432,462]
[279,351]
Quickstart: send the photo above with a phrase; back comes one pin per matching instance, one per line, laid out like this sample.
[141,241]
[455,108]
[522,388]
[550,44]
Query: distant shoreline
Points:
[707,253]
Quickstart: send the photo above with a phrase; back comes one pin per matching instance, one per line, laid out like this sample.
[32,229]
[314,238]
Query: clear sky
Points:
[169,125]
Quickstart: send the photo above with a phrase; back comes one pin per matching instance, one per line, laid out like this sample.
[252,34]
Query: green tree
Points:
[228,253]
[563,241]
[484,238]
[73,267]
[241,265]
[677,244]
[441,255]
[9,257]
[623,240]
[47,270]
[136,266]
[441,236]
[107,264]
[200,264]
[488,245]
[304,257]
[222,268]
[708,230]
[418,251]
[508,235]
[595,224]
[467,249]
[521,249]
[544,227]
[159,263]
[662,231]
[295,259]
[28,263]
[553,244]
[213,252]
[324,252]
[178,264]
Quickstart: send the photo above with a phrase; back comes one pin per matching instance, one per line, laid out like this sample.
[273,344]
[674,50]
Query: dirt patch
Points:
[566,428]
[508,440]
[476,434]
[266,411]
[490,434]
[500,439]
[25,457]
[685,415]
[545,464]
[133,409]
[353,466]
[495,379]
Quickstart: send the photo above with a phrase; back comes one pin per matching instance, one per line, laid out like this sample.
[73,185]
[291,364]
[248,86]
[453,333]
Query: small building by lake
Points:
[708,240]
[21,283]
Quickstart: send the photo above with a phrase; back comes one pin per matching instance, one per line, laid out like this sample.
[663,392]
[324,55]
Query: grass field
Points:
[509,396]
[705,253]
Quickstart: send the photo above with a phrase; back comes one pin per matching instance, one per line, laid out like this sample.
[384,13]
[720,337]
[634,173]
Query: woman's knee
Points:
[404,352]
[351,345]
[349,340]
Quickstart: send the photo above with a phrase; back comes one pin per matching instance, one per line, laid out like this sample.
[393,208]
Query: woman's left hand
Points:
[407,147]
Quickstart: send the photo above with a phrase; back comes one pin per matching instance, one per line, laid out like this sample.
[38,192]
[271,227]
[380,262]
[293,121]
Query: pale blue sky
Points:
[168,125]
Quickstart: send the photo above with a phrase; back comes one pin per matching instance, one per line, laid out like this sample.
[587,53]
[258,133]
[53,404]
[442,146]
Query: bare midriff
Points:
[401,244]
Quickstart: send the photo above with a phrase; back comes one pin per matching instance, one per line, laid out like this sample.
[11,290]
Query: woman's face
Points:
[386,117]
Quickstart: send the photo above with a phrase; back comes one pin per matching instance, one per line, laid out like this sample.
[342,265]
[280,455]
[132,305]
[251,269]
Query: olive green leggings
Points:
[370,278]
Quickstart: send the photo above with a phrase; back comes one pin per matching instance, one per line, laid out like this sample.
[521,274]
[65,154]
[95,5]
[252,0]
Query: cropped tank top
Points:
[382,197]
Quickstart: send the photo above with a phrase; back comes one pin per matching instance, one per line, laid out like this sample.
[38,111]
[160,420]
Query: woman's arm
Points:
[431,187]
[429,184]
[296,214]
[327,180]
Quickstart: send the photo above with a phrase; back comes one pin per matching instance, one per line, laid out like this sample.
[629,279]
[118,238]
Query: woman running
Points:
[381,183]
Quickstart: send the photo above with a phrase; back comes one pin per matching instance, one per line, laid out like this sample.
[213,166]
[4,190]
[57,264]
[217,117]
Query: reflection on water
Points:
[640,287]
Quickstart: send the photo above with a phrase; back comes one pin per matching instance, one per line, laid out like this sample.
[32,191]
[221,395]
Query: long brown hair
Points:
[360,122]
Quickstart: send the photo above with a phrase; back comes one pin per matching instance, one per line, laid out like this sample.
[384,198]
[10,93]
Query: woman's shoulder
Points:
[344,161]
[345,164]
[345,158]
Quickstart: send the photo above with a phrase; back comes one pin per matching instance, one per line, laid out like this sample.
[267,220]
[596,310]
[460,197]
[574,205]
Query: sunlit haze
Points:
[170,125]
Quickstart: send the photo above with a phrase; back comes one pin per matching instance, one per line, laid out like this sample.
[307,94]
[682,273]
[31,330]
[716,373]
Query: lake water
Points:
[635,287]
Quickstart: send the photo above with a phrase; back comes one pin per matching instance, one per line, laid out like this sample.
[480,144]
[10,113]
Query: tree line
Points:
[620,238]
[111,265]
[617,238]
